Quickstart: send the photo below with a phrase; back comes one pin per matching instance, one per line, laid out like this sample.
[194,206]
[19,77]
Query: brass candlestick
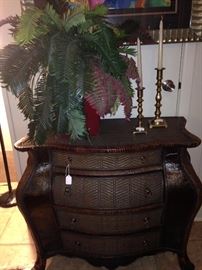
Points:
[139,129]
[158,122]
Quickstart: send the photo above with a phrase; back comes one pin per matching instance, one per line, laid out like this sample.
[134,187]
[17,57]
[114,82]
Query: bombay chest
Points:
[130,195]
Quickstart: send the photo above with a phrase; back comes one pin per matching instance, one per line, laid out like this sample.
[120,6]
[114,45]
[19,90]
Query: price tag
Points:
[68,179]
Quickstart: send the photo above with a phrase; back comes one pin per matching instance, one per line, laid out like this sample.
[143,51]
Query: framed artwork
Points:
[140,17]
[147,13]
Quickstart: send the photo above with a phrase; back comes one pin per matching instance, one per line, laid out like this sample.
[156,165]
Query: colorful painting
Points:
[120,4]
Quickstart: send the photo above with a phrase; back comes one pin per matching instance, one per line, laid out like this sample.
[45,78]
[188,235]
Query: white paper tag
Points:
[68,179]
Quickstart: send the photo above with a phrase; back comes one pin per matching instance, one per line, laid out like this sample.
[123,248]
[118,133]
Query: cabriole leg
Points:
[40,263]
[185,263]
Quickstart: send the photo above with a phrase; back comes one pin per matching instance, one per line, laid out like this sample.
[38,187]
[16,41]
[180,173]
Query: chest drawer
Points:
[106,246]
[107,223]
[106,161]
[118,192]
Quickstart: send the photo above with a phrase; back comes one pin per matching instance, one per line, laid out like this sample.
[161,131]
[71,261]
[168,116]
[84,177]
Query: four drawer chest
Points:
[127,195]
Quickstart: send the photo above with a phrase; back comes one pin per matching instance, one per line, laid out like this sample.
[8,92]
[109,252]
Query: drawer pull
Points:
[146,243]
[67,189]
[77,243]
[142,158]
[148,192]
[74,220]
[147,221]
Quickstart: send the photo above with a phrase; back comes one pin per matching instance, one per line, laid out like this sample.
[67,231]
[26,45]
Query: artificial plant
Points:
[60,59]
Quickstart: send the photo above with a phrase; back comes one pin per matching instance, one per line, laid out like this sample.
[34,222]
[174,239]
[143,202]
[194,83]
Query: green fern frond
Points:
[102,43]
[51,18]
[28,28]
[44,114]
[98,11]
[14,66]
[73,20]
[19,64]
[76,127]
[25,103]
[127,50]
[62,123]
[12,20]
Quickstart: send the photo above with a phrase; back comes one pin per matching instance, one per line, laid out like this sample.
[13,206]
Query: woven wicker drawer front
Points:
[107,161]
[79,244]
[109,192]
[108,224]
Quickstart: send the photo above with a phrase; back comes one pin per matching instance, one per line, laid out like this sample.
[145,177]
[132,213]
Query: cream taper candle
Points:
[160,47]
[139,62]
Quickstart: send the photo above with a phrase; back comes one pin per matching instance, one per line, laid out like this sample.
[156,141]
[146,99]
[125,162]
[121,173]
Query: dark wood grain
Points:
[131,195]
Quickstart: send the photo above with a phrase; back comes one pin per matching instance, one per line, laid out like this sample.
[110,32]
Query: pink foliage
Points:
[106,90]
[131,72]
[94,3]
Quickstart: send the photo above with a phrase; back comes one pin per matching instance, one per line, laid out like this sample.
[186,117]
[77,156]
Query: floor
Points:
[17,250]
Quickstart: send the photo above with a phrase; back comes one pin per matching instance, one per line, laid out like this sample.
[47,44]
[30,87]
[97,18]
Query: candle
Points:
[160,47]
[139,62]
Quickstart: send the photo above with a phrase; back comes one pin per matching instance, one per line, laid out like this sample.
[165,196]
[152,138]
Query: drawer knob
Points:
[68,189]
[147,221]
[74,220]
[142,158]
[77,243]
[148,192]
[146,243]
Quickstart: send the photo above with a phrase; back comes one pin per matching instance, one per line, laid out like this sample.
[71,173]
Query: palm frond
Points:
[103,44]
[25,103]
[73,20]
[14,64]
[44,114]
[51,18]
[12,20]
[28,28]
[77,128]
[98,12]
[102,95]
[18,65]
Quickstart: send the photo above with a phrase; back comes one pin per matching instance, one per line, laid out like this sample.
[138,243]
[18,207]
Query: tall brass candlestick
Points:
[158,121]
[140,129]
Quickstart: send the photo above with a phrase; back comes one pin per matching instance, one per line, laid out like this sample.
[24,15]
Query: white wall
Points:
[17,126]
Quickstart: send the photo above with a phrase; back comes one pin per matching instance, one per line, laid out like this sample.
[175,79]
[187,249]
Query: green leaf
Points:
[18,65]
[28,28]
[44,113]
[51,18]
[25,103]
[99,10]
[75,19]
[103,44]
[77,127]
